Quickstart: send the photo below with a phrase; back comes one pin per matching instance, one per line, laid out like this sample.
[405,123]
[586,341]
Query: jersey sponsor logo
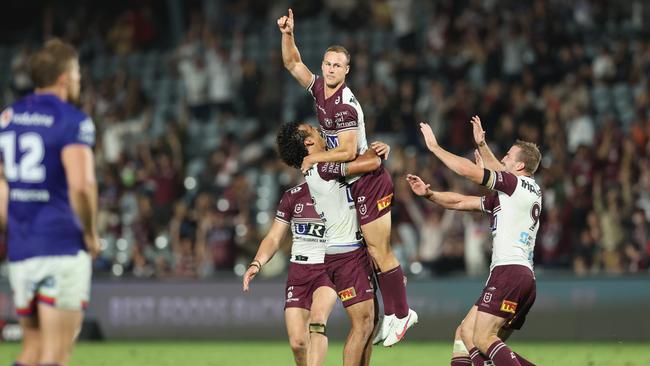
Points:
[338,100]
[384,202]
[309,229]
[298,208]
[530,187]
[508,306]
[33,119]
[347,124]
[295,190]
[87,131]
[5,117]
[487,297]
[280,214]
[347,294]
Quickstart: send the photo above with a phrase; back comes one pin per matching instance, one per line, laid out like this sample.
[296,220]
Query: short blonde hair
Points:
[529,155]
[51,61]
[339,49]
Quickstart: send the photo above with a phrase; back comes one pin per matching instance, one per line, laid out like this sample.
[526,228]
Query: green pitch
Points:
[186,353]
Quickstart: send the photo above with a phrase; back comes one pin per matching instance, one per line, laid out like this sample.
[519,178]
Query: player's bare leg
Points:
[486,339]
[31,347]
[59,328]
[466,337]
[367,352]
[362,318]
[323,302]
[298,330]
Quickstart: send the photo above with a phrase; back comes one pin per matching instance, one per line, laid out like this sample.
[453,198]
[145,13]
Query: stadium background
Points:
[187,97]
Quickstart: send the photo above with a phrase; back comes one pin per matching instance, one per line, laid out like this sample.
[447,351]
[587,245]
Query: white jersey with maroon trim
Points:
[296,209]
[340,112]
[335,206]
[515,207]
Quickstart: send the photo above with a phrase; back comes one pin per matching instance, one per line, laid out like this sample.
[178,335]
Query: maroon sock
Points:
[502,355]
[389,307]
[461,361]
[394,289]
[523,361]
[478,359]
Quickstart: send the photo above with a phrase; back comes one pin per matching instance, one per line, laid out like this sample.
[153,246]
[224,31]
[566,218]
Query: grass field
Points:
[185,353]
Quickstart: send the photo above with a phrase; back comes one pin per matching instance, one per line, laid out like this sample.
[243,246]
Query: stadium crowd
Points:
[187,171]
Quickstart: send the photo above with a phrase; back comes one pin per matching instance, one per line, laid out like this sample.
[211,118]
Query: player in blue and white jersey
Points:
[50,209]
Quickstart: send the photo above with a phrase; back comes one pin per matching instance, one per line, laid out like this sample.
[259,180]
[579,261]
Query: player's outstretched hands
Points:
[249,275]
[92,244]
[477,130]
[478,159]
[285,23]
[429,137]
[417,185]
[381,148]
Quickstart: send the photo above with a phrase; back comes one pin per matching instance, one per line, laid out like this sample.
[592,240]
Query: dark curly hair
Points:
[291,144]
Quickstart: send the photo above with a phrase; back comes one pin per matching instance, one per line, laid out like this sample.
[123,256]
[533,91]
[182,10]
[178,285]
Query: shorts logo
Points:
[363,209]
[384,202]
[298,208]
[360,199]
[6,117]
[508,306]
[487,297]
[347,294]
[295,190]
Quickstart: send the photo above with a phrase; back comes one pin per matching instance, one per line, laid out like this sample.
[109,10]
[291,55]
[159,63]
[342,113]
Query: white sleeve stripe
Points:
[347,129]
[313,80]
[282,221]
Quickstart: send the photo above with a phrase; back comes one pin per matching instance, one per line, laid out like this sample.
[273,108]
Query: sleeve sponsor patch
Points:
[508,306]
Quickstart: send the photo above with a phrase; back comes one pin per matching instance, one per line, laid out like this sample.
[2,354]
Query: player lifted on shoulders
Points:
[346,257]
[46,153]
[341,121]
[515,209]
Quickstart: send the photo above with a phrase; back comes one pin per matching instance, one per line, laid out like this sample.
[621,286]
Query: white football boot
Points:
[399,327]
[382,328]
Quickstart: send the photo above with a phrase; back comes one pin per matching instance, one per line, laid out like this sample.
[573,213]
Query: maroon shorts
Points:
[373,195]
[302,281]
[352,276]
[509,294]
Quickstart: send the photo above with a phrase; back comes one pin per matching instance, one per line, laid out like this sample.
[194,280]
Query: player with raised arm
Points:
[515,209]
[48,165]
[310,294]
[341,121]
[346,257]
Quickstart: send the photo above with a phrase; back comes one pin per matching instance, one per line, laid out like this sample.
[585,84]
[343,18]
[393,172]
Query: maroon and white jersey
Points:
[340,112]
[515,207]
[308,230]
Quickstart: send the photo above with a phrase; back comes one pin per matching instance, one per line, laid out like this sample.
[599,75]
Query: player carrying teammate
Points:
[341,120]
[515,208]
[46,153]
[346,258]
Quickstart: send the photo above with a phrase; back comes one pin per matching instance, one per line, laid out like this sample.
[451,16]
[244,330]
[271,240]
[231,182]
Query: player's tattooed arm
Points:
[489,160]
[459,165]
[448,200]
[290,54]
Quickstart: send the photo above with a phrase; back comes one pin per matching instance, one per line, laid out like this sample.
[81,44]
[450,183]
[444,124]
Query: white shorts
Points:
[60,281]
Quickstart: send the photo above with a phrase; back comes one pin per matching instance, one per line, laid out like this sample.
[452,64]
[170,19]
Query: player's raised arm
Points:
[449,200]
[268,247]
[290,53]
[79,165]
[490,161]
[457,164]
